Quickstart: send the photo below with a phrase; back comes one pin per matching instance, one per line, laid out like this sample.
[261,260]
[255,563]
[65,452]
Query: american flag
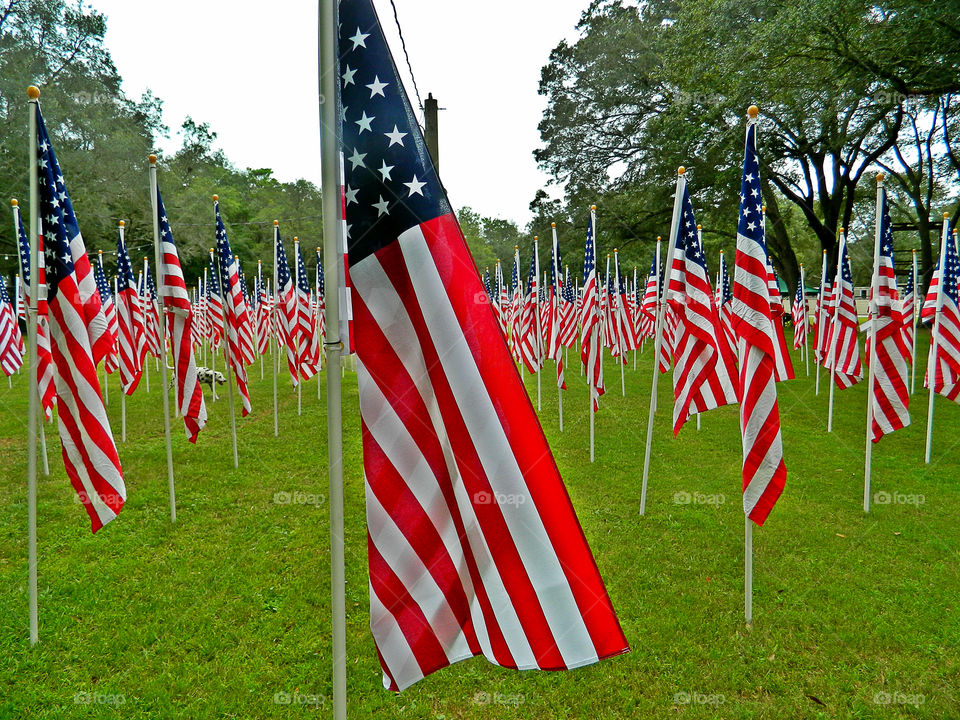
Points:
[180,319]
[530,334]
[112,361]
[799,313]
[764,472]
[262,314]
[704,373]
[568,312]
[822,314]
[650,302]
[907,313]
[843,347]
[516,306]
[200,314]
[591,323]
[247,348]
[473,544]
[502,301]
[130,339]
[44,362]
[554,309]
[929,307]
[236,323]
[79,340]
[214,302]
[11,343]
[623,320]
[725,306]
[944,354]
[305,325]
[151,318]
[891,398]
[784,366]
[286,307]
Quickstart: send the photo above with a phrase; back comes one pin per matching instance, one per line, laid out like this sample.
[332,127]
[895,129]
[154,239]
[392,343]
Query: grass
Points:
[226,613]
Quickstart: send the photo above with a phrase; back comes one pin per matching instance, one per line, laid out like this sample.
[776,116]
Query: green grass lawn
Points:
[226,613]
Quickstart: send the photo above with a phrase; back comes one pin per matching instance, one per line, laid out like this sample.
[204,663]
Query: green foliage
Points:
[102,139]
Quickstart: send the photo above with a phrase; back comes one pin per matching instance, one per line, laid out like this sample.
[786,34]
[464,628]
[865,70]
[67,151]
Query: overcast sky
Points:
[250,70]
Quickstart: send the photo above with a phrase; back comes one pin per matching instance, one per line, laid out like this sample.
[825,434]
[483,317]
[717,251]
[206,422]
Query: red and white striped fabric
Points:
[11,343]
[112,362]
[843,345]
[592,321]
[822,314]
[321,303]
[263,312]
[151,315]
[568,313]
[286,305]
[620,315]
[180,319]
[305,324]
[474,547]
[516,308]
[784,364]
[891,398]
[553,312]
[130,339]
[764,471]
[531,335]
[214,302]
[929,307]
[944,352]
[79,340]
[651,291]
[236,323]
[704,373]
[908,310]
[798,311]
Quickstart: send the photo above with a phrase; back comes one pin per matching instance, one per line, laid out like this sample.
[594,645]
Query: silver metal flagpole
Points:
[34,396]
[147,312]
[333,256]
[593,390]
[275,318]
[872,340]
[748,570]
[162,335]
[206,318]
[555,312]
[537,335]
[934,335]
[821,301]
[913,324]
[658,342]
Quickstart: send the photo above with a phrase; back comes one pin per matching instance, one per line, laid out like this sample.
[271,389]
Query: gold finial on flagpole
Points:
[880,177]
[276,222]
[14,202]
[216,198]
[593,207]
[152,159]
[553,225]
[33,92]
[123,224]
[681,170]
[753,111]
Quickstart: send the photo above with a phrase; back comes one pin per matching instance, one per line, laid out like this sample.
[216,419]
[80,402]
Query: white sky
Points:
[250,70]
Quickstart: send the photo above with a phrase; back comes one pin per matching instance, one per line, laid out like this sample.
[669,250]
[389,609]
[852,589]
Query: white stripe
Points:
[393,646]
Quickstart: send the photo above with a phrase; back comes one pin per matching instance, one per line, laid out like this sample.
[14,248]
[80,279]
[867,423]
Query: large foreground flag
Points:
[474,547]
[764,472]
[176,301]
[891,397]
[79,340]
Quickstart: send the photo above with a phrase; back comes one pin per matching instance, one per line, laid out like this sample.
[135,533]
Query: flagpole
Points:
[748,570]
[123,393]
[934,335]
[227,354]
[256,324]
[537,334]
[275,317]
[592,389]
[162,336]
[658,342]
[34,396]
[296,294]
[106,388]
[913,324]
[223,310]
[872,379]
[806,324]
[821,301]
[838,283]
[142,283]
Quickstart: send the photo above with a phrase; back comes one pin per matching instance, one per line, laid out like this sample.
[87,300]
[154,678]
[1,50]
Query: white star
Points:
[749,177]
[358,39]
[396,137]
[350,194]
[385,170]
[343,114]
[376,87]
[382,207]
[415,187]
[751,226]
[357,159]
[364,122]
[348,77]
